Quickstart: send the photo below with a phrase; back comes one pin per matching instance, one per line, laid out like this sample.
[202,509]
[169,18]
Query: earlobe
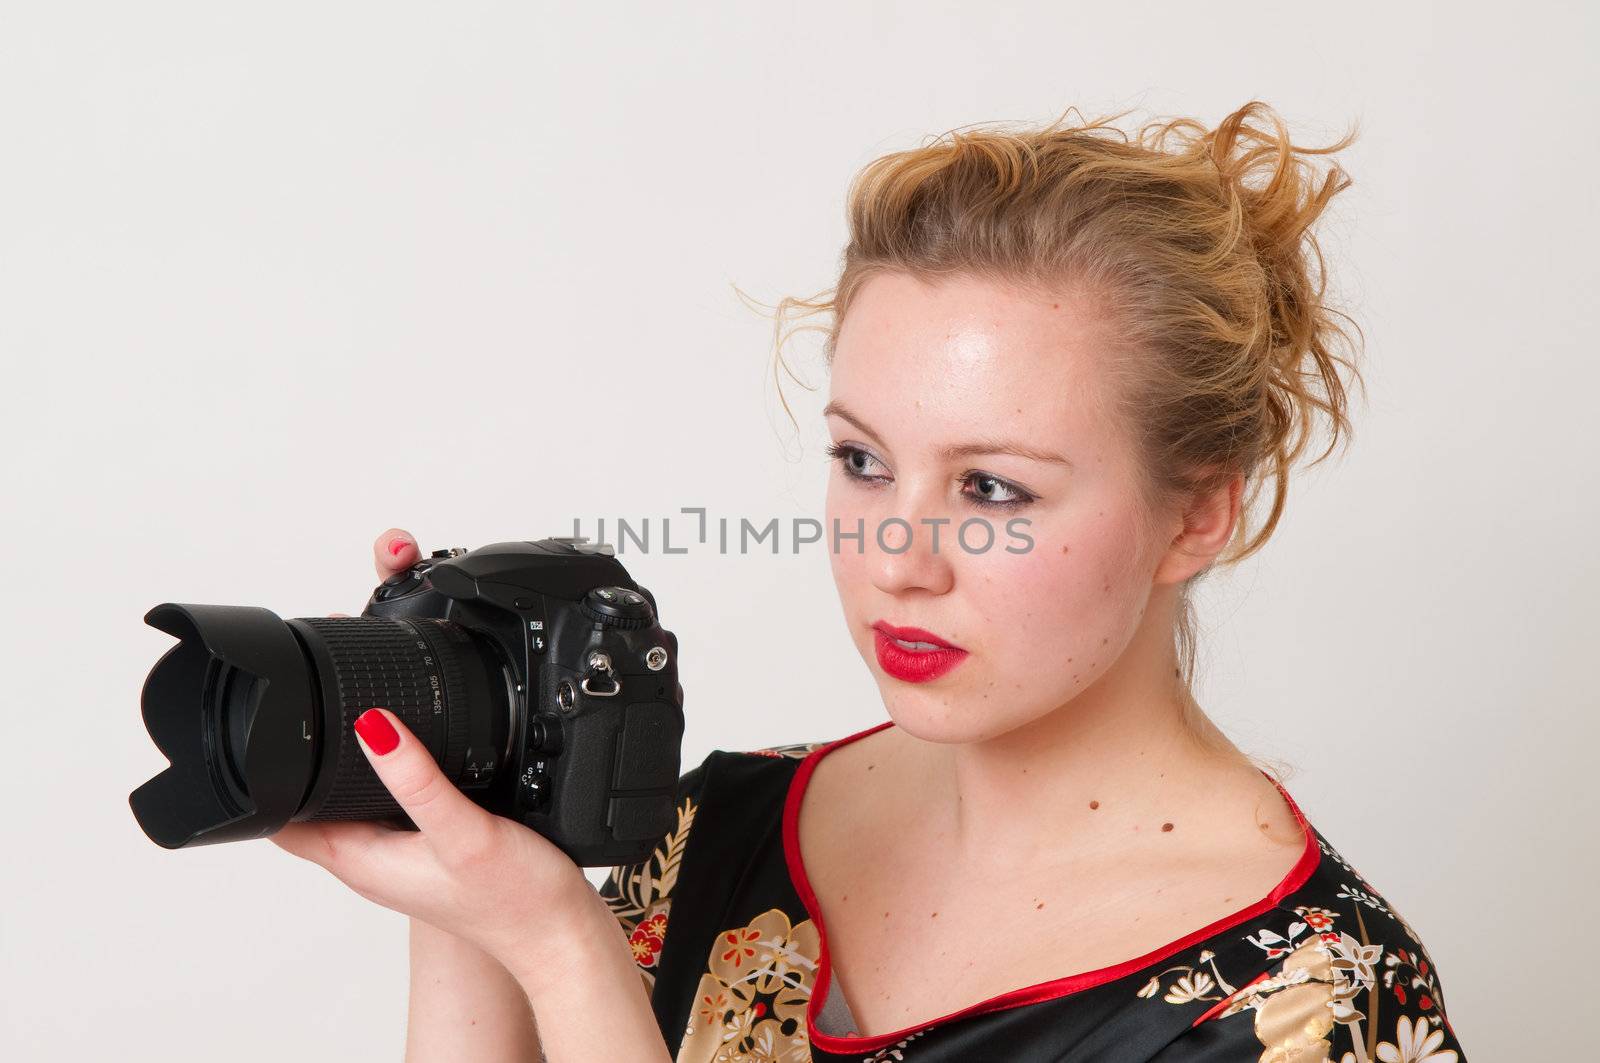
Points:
[1210,521]
[1206,528]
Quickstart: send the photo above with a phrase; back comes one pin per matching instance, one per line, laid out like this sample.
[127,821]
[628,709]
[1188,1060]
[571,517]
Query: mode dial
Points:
[618,607]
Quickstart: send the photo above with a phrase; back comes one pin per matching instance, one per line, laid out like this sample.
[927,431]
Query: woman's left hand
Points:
[480,876]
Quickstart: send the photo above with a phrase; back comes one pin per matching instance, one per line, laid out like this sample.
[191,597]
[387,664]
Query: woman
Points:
[1063,363]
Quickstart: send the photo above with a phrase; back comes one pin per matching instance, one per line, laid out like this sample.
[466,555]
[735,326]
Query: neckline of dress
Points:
[1310,857]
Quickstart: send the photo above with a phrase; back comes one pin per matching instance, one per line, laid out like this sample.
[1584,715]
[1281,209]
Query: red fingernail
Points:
[376,730]
[397,547]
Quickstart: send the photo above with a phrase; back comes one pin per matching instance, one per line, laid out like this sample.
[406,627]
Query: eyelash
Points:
[842,452]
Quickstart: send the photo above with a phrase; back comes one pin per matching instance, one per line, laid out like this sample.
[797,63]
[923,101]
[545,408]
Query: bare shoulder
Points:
[1231,836]
[865,768]
[1267,819]
[851,793]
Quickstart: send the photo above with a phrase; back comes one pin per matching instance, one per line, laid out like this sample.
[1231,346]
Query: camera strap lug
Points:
[600,668]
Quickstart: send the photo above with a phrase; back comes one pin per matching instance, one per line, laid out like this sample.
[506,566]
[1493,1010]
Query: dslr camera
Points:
[537,674]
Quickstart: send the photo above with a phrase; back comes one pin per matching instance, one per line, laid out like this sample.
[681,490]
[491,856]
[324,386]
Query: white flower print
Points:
[1192,983]
[1415,1042]
[1275,944]
[1190,987]
[1339,859]
[1349,892]
[894,1052]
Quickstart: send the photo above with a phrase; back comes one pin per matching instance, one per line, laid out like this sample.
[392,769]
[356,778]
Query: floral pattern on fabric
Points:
[750,1005]
[640,895]
[1324,995]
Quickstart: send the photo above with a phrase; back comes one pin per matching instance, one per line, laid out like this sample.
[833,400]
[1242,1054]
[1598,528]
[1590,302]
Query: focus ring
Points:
[384,663]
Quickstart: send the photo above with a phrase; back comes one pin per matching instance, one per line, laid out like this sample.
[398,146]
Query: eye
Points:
[990,492]
[853,460]
[995,493]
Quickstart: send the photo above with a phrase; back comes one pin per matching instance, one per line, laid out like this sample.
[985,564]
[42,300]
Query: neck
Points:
[1121,758]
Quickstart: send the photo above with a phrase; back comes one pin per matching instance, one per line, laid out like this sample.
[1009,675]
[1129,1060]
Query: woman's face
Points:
[920,370]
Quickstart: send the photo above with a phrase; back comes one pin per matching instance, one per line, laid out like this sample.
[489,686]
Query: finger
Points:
[340,616]
[455,826]
[393,551]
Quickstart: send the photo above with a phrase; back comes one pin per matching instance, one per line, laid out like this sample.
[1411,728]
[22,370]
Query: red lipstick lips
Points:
[926,658]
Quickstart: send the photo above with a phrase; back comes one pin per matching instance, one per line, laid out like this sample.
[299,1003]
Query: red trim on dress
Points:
[1222,1005]
[1310,857]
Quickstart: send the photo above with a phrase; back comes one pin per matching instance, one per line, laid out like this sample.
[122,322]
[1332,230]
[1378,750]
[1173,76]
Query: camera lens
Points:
[255,714]
[430,673]
[230,696]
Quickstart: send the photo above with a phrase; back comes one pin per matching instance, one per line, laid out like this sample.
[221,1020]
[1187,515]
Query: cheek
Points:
[1063,611]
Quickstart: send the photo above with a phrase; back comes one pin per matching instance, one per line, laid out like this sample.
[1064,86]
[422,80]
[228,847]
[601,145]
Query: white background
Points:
[276,277]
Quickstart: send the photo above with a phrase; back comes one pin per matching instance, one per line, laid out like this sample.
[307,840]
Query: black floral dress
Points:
[727,936]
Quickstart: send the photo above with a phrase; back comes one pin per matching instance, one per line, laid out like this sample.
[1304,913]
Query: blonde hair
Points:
[1195,242]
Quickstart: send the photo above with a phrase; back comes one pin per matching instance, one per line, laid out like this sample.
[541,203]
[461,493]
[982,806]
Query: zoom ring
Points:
[388,664]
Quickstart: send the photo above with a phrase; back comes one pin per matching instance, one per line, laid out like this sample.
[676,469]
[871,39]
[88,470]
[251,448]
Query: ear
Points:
[1207,525]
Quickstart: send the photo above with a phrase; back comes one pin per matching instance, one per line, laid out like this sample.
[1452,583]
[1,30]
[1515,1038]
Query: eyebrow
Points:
[958,450]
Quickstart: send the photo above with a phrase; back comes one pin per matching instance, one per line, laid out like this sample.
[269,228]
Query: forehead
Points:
[965,354]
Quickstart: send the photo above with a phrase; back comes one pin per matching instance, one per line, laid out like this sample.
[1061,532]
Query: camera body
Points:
[590,753]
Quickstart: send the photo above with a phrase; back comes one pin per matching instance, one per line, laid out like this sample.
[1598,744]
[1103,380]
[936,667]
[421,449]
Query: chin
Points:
[970,711]
[947,717]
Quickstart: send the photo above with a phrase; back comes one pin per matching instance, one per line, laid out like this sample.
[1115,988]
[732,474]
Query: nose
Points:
[911,553]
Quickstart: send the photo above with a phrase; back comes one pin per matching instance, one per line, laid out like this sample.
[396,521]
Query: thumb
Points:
[452,823]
